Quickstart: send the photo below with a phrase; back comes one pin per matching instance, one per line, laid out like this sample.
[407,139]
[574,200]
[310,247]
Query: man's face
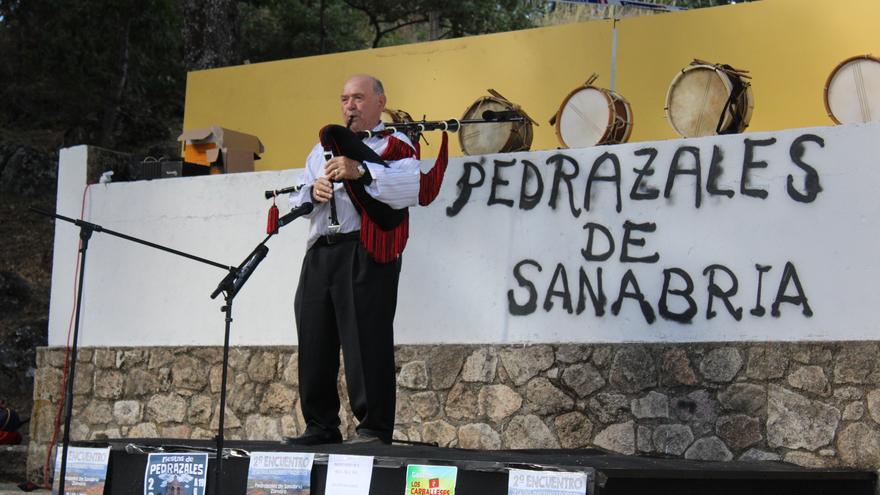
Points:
[359,100]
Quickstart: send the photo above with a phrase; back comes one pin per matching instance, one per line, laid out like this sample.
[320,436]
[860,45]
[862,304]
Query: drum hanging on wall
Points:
[402,117]
[503,137]
[705,99]
[590,116]
[852,92]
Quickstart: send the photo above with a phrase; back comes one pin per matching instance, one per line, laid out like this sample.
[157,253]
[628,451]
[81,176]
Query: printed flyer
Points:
[176,474]
[85,472]
[280,473]
[524,482]
[349,474]
[430,480]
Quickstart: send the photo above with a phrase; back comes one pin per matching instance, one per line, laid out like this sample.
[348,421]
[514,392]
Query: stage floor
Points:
[484,472]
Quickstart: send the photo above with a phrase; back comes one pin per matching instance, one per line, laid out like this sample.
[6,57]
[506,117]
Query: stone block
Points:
[708,449]
[653,405]
[676,368]
[200,407]
[746,398]
[140,383]
[573,353]
[804,459]
[441,432]
[544,398]
[461,403]
[755,455]
[721,365]
[796,422]
[109,384]
[859,446]
[290,369]
[188,373]
[480,366]
[767,362]
[425,405]
[524,363]
[672,439]
[167,408]
[856,362]
[633,370]
[262,366]
[739,431]
[278,399]
[97,412]
[413,375]
[528,432]
[873,400]
[583,379]
[105,358]
[810,379]
[259,427]
[478,436]
[853,411]
[608,407]
[574,430]
[498,402]
[644,439]
[127,412]
[143,430]
[620,438]
[444,364]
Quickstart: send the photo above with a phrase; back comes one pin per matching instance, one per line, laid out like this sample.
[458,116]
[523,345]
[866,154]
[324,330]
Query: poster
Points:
[280,473]
[525,482]
[349,474]
[176,474]
[85,472]
[430,480]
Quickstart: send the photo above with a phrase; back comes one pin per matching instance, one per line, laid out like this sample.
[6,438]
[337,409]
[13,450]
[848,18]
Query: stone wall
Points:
[813,404]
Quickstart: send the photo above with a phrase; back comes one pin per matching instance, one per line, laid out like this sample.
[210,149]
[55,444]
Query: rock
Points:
[746,398]
[15,293]
[633,370]
[170,408]
[290,370]
[544,398]
[698,409]
[804,459]
[708,449]
[529,432]
[855,362]
[84,381]
[859,446]
[672,439]
[175,431]
[767,362]
[573,429]
[127,412]
[676,368]
[573,353]
[230,420]
[109,384]
[97,413]
[161,357]
[874,405]
[461,403]
[602,355]
[755,455]
[47,384]
[853,411]
[200,407]
[847,393]
[188,373]
[809,378]
[620,438]
[210,355]
[796,422]
[202,434]
[262,367]
[609,407]
[739,431]
[143,430]
[106,433]
[479,436]
[259,427]
[653,405]
[644,439]
[278,399]
[140,383]
[425,405]
[583,378]
[524,363]
[721,365]
[497,402]
[553,373]
[404,412]
[239,357]
[130,358]
[441,432]
[480,366]
[413,375]
[105,358]
[242,398]
[444,363]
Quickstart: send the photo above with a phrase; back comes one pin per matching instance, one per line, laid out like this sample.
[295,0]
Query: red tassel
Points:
[272,224]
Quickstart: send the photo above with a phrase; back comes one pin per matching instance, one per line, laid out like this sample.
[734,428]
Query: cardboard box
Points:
[215,146]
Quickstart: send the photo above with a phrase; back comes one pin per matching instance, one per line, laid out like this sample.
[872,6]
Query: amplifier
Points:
[148,170]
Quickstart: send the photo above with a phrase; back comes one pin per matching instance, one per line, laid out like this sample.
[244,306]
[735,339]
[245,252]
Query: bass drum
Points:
[503,137]
[708,99]
[591,116]
[852,92]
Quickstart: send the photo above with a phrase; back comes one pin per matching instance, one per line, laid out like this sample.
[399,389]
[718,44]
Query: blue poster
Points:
[176,474]
[281,473]
[85,472]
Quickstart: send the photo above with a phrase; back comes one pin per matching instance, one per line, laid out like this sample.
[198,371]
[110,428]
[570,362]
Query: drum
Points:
[590,116]
[503,137]
[852,92]
[400,117]
[706,99]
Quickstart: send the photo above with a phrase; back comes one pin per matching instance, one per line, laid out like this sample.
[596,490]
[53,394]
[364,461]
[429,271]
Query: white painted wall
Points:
[458,270]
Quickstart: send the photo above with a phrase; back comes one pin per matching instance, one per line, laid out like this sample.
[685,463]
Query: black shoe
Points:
[315,437]
[362,438]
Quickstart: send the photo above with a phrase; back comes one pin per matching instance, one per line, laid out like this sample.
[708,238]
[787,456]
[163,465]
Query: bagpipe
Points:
[384,230]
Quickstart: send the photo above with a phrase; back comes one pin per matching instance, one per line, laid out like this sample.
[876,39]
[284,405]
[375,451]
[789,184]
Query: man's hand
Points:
[322,190]
[342,167]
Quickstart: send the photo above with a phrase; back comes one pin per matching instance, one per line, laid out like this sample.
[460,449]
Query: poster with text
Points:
[524,482]
[176,474]
[85,472]
[349,474]
[430,480]
[280,473]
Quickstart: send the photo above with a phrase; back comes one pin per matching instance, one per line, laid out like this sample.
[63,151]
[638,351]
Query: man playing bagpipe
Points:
[347,293]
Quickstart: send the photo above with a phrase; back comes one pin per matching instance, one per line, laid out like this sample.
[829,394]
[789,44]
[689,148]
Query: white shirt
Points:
[396,185]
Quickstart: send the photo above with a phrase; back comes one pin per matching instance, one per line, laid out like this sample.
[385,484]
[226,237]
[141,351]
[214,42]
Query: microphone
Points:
[245,272]
[303,209]
[501,116]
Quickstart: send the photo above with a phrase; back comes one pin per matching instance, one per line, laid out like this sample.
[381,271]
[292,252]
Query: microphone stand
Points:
[230,286]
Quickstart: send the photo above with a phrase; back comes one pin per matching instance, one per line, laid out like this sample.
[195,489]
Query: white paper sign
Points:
[349,474]
[523,482]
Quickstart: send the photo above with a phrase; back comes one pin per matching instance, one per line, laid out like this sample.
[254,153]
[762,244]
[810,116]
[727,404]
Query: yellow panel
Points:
[789,47]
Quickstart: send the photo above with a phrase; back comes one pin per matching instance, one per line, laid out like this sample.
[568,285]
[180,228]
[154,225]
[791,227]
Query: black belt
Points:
[330,239]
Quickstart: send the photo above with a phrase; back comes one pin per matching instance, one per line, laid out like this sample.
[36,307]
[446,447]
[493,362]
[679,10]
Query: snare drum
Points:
[402,117]
[503,137]
[852,92]
[707,99]
[590,116]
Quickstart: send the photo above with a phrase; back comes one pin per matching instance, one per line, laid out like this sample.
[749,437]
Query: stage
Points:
[486,472]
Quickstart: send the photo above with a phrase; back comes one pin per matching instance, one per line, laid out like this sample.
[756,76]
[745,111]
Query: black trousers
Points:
[346,299]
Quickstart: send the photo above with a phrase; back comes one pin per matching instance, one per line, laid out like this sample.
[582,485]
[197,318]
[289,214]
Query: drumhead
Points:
[696,100]
[484,139]
[585,118]
[852,94]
